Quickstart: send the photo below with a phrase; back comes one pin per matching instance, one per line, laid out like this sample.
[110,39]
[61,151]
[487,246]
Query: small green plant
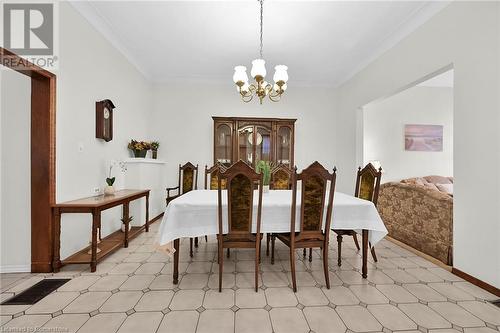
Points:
[155,145]
[264,168]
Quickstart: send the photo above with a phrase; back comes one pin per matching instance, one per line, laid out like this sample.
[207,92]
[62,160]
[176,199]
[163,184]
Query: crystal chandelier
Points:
[260,87]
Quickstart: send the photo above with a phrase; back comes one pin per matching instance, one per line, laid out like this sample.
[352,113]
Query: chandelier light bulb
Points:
[258,68]
[240,74]
[281,73]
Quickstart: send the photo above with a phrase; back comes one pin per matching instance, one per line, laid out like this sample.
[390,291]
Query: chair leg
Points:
[228,253]
[356,240]
[268,240]
[196,242]
[339,242]
[325,266]
[374,255]
[257,262]
[305,253]
[273,241]
[292,267]
[221,265]
[310,254]
[191,247]
[206,238]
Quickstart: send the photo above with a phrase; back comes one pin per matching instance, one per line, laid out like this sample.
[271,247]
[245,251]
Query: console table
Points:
[95,205]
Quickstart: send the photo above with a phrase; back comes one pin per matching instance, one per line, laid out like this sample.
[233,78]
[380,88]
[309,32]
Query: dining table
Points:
[195,214]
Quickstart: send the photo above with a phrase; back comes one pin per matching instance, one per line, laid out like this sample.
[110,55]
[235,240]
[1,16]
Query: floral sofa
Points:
[419,213]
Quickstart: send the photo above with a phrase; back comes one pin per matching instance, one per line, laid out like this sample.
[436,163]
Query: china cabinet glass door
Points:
[263,147]
[245,144]
[223,144]
[284,145]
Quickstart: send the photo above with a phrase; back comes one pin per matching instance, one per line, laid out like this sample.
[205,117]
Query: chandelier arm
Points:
[275,98]
[247,98]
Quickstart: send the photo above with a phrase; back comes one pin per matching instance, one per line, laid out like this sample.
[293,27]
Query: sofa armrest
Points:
[419,217]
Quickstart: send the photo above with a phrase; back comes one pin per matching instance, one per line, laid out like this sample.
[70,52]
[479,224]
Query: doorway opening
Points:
[42,135]
[410,135]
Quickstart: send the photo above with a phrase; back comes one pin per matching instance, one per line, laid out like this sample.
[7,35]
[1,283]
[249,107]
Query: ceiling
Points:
[322,42]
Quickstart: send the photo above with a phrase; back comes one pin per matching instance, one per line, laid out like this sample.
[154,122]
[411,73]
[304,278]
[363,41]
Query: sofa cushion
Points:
[438,180]
[446,188]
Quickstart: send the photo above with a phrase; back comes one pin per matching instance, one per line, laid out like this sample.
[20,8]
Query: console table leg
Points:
[96,222]
[364,269]
[56,261]
[176,261]
[126,222]
[147,212]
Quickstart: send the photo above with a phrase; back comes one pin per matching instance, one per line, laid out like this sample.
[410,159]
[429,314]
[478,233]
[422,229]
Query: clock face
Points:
[106,113]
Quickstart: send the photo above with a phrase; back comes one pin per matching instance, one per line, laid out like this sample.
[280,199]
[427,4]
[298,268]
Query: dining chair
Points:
[367,188]
[281,179]
[188,181]
[212,173]
[240,180]
[315,181]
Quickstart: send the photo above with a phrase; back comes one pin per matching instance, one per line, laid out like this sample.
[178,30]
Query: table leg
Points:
[147,212]
[364,269]
[126,222]
[96,222]
[56,261]
[176,261]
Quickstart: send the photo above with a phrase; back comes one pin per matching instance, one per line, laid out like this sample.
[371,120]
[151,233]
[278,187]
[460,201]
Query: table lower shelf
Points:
[108,245]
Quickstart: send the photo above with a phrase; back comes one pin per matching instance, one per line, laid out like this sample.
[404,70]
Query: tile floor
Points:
[132,291]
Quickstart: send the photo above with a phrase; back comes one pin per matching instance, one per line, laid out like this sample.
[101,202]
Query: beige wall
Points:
[464,35]
[383,135]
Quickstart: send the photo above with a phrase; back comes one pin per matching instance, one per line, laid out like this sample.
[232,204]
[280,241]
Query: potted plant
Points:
[154,149]
[264,168]
[109,189]
[140,148]
[129,223]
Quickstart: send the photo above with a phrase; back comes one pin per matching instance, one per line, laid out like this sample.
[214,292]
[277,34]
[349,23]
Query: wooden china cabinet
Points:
[254,139]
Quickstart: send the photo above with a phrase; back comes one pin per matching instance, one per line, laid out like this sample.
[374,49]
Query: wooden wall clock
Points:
[104,120]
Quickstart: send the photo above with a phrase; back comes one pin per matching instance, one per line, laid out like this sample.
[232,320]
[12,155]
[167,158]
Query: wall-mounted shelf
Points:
[143,160]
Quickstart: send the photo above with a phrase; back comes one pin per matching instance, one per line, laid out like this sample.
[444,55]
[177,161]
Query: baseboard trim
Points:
[156,218]
[419,253]
[15,268]
[475,281]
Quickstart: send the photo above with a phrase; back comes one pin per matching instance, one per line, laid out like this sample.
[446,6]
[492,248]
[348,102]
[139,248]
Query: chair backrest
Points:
[315,181]
[281,177]
[368,183]
[213,173]
[188,177]
[240,178]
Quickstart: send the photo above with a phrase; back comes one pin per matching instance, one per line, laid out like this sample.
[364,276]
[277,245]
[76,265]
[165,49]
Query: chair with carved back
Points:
[314,226]
[367,188]
[211,180]
[281,179]
[188,181]
[238,233]
[212,173]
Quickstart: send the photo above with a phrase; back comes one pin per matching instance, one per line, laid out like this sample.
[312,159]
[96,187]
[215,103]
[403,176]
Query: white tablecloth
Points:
[194,214]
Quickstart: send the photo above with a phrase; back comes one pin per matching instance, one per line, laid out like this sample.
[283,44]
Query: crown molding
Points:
[414,20]
[102,25]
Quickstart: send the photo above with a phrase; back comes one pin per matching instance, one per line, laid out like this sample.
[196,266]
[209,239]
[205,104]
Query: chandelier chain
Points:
[261,26]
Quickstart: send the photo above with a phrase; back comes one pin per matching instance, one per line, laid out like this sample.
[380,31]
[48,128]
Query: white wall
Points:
[383,135]
[15,183]
[182,122]
[466,36]
[91,70]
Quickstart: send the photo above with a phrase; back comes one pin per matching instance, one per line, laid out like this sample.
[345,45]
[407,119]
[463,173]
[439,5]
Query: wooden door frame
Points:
[43,157]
